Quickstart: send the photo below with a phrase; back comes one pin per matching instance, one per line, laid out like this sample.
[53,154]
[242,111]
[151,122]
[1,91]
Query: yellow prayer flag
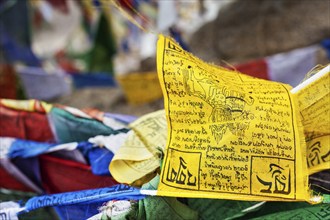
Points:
[140,153]
[230,136]
[140,88]
[27,105]
[314,104]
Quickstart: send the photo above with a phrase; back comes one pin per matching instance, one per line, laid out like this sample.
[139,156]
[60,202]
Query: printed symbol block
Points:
[272,177]
[182,169]
[318,153]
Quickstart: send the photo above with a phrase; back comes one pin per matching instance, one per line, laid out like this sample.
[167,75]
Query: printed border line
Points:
[294,141]
[251,175]
[222,192]
[279,158]
[319,136]
[168,107]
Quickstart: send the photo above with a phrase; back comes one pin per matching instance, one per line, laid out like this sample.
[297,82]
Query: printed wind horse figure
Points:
[315,158]
[280,183]
[227,105]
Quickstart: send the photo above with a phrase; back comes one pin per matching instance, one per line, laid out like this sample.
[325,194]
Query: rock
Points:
[246,30]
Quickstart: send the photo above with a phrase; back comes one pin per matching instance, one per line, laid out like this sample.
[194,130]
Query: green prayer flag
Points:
[222,209]
[156,207]
[69,128]
[101,55]
[315,212]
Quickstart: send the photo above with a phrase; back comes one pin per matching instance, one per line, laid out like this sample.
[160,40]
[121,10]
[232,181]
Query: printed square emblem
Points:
[272,177]
[182,169]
